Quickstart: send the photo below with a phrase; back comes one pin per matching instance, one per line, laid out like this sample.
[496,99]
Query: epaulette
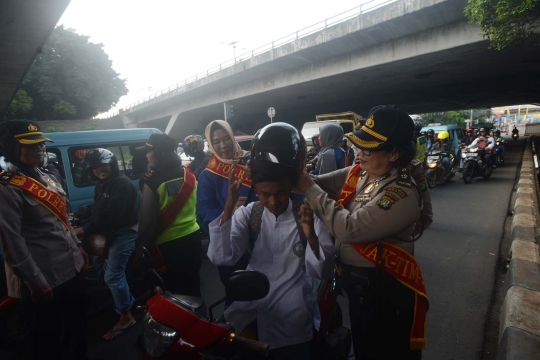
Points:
[6,177]
[416,163]
[404,178]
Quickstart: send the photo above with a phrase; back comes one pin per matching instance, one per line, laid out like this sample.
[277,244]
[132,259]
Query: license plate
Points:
[470,154]
[433,158]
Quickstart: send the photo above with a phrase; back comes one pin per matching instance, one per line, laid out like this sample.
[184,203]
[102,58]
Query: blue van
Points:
[70,148]
[456,134]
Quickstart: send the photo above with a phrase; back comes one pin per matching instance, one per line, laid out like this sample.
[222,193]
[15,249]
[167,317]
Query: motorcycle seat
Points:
[194,304]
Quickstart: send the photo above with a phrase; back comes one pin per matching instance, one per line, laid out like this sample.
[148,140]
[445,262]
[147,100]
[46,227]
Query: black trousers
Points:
[183,260]
[57,329]
[381,311]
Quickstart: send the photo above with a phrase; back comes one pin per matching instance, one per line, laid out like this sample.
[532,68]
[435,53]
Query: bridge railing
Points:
[336,19]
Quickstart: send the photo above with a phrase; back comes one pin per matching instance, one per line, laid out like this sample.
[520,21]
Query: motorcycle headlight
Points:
[432,165]
[158,338]
[498,143]
[463,155]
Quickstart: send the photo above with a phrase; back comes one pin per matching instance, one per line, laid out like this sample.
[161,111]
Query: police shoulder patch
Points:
[173,187]
[404,178]
[385,202]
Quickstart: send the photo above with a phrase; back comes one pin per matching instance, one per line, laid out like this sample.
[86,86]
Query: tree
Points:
[20,106]
[72,78]
[456,117]
[504,22]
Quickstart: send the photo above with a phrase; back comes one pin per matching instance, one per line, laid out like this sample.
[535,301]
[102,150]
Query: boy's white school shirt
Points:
[287,315]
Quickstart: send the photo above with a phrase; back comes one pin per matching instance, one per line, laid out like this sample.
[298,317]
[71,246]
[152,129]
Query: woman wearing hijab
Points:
[331,156]
[214,181]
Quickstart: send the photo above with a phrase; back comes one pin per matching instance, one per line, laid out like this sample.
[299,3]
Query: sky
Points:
[154,44]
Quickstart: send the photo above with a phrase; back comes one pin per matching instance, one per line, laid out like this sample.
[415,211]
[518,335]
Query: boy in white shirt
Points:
[294,257]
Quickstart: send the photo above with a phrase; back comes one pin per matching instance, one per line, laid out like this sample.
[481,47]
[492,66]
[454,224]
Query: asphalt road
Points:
[457,255]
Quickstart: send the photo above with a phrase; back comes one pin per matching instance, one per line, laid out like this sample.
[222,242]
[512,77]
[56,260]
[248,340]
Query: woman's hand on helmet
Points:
[307,220]
[233,196]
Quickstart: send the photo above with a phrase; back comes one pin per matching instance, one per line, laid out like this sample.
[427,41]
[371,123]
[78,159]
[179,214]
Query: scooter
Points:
[474,164]
[435,171]
[515,136]
[179,327]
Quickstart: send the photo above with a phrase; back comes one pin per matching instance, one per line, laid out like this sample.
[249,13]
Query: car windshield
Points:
[310,129]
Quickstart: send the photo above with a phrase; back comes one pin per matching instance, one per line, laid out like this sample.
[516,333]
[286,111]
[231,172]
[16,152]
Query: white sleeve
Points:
[490,146]
[475,141]
[320,268]
[229,241]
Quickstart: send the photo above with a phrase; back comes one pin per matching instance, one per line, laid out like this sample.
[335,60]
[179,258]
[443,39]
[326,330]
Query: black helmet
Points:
[96,157]
[193,144]
[497,131]
[482,129]
[430,131]
[315,136]
[278,143]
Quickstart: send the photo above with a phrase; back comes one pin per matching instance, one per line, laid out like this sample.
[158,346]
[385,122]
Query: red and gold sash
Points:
[49,199]
[396,262]
[222,169]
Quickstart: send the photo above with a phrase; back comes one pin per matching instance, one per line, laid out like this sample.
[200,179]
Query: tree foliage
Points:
[72,78]
[20,105]
[456,117]
[504,22]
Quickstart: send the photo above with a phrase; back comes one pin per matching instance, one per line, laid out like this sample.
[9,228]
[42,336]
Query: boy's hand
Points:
[307,221]
[232,196]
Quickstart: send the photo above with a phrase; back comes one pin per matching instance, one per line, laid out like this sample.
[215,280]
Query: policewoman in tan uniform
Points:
[378,206]
[42,253]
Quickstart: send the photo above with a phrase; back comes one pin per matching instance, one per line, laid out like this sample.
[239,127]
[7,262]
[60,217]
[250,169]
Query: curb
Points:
[519,328]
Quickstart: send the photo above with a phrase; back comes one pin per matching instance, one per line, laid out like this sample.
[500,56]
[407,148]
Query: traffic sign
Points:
[271,113]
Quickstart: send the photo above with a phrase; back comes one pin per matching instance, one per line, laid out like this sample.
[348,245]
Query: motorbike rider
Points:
[194,147]
[515,130]
[482,142]
[430,134]
[420,141]
[498,139]
[469,138]
[43,257]
[314,151]
[444,144]
[286,241]
[113,213]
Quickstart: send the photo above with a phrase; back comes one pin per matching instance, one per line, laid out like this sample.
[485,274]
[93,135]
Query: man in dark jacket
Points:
[114,215]
[194,147]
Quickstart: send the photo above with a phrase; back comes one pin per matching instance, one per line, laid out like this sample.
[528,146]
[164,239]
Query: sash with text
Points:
[396,262]
[222,169]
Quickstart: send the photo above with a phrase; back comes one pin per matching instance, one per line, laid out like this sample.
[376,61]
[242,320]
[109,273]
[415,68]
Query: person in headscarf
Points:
[331,156]
[214,181]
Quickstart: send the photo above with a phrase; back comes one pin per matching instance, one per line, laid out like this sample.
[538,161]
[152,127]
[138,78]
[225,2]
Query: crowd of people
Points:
[359,212]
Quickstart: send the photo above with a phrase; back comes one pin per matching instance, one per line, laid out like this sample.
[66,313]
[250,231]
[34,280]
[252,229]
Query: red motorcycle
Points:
[178,326]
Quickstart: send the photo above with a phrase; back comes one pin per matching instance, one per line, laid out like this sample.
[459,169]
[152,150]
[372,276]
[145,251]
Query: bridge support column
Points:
[128,122]
[171,123]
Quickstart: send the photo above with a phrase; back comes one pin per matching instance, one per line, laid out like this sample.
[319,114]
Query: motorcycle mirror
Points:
[158,290]
[247,285]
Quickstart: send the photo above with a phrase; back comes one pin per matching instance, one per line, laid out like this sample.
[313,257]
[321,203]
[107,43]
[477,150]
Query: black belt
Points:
[356,275]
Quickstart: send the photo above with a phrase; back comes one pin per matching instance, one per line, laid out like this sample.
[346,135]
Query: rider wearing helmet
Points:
[499,142]
[430,135]
[194,147]
[349,152]
[486,143]
[444,144]
[113,214]
[275,228]
[420,141]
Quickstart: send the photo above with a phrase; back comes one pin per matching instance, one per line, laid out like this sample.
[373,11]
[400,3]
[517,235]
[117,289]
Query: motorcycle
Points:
[435,171]
[515,136]
[474,164]
[179,327]
[182,318]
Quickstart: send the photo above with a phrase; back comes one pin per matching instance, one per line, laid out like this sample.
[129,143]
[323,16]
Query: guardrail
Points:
[339,18]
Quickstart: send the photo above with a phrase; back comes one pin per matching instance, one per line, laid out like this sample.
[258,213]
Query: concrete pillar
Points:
[128,122]
[172,121]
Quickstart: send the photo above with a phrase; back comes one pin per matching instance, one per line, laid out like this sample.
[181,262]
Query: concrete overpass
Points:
[25,25]
[421,55]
